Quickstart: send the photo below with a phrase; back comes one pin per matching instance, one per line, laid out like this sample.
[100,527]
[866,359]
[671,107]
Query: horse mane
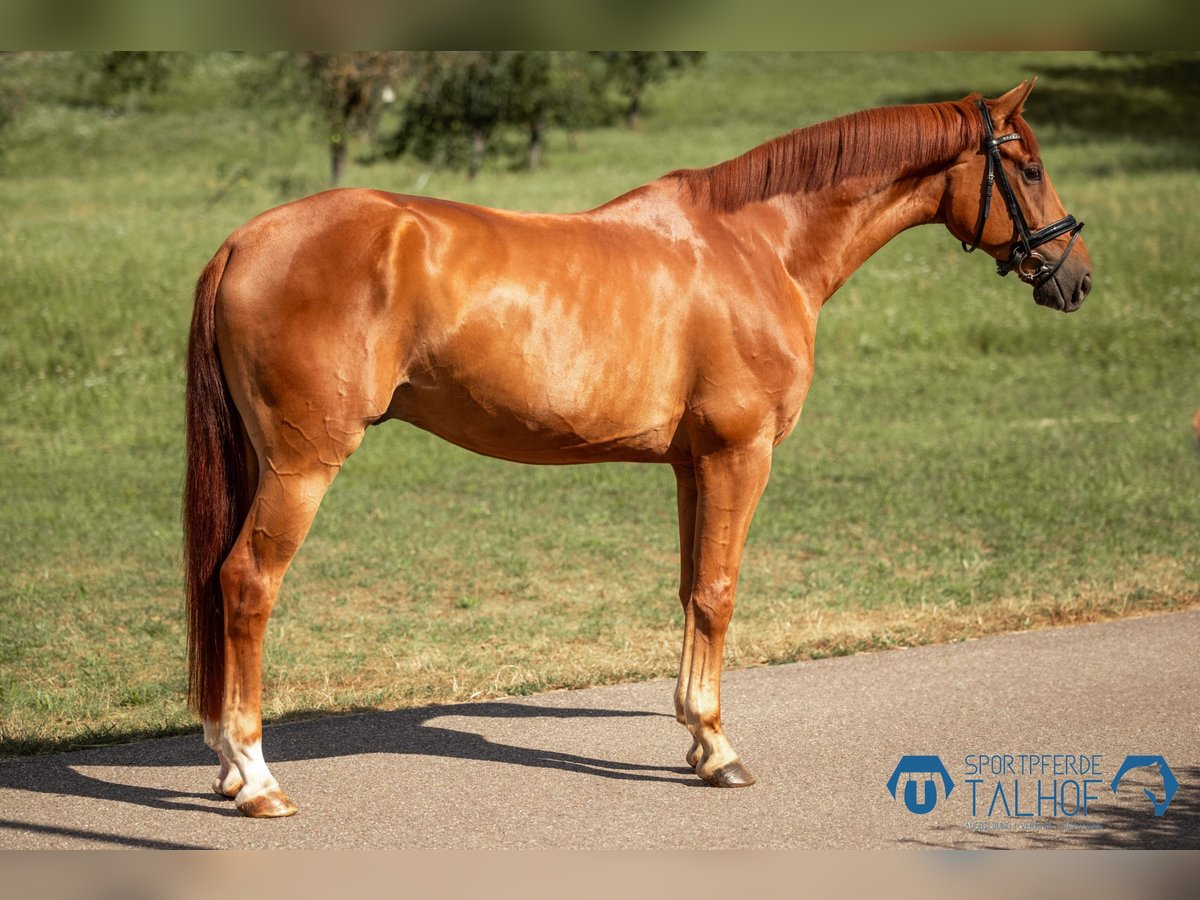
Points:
[891,139]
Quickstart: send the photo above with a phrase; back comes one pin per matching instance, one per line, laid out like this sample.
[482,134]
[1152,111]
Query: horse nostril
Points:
[1081,290]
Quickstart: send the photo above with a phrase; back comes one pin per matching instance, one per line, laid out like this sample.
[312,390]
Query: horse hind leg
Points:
[289,491]
[228,782]
[686,497]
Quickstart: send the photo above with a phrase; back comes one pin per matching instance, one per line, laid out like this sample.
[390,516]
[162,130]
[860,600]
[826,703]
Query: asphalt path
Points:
[603,767]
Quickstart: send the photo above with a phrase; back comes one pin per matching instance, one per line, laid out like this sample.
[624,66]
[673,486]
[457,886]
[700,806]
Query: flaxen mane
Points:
[865,143]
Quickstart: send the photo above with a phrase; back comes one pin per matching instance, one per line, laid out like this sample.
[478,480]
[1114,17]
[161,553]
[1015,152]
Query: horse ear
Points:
[1013,102]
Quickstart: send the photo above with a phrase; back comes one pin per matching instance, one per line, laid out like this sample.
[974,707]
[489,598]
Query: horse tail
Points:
[216,495]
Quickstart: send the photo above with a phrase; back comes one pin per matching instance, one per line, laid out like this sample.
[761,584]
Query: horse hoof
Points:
[227,789]
[694,755]
[730,775]
[273,805]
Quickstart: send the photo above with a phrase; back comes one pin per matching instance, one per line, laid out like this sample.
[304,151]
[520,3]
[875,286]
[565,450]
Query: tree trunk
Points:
[535,145]
[337,159]
[478,146]
[635,108]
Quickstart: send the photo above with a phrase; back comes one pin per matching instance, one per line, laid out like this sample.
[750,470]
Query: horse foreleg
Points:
[729,485]
[279,519]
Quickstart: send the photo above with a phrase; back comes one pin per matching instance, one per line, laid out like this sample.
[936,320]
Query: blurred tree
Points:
[346,91]
[10,101]
[531,97]
[460,101]
[562,89]
[125,76]
[632,71]
[8,95]
[457,99]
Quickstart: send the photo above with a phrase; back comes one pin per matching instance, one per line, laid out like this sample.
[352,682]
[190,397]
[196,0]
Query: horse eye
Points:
[1033,173]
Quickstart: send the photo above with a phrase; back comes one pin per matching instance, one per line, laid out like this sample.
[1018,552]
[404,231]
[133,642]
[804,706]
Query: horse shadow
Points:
[407,731]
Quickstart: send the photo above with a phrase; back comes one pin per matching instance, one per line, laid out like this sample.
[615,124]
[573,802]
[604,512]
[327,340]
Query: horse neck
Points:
[826,236]
[828,196]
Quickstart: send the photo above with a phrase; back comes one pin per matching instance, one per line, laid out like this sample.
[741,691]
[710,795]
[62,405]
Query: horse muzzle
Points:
[1064,289]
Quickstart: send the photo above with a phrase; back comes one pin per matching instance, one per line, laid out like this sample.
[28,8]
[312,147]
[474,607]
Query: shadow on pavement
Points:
[402,731]
[117,840]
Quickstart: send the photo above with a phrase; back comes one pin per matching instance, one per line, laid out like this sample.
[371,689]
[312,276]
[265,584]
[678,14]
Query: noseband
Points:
[1030,267]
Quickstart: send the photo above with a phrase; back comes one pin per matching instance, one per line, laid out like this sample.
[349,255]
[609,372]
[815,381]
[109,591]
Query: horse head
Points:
[1027,231]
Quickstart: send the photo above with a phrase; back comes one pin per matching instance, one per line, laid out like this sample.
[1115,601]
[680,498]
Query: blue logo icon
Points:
[929,766]
[1170,784]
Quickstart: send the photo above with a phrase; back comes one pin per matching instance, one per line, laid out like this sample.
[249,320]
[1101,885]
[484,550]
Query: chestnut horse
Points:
[673,325]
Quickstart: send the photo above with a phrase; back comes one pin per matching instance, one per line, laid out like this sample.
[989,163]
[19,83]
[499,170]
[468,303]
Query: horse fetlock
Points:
[704,722]
[229,781]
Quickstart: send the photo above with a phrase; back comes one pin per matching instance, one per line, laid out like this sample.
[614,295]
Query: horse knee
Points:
[713,604]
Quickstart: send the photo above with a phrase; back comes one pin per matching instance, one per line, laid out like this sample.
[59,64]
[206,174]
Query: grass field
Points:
[967,462]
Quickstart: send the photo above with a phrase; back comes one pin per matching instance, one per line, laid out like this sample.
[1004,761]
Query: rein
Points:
[1030,267]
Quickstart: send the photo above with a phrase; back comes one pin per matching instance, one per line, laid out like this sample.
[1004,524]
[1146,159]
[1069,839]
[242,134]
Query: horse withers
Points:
[672,325]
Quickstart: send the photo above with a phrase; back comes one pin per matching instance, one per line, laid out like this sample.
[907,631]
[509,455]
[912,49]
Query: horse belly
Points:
[530,392]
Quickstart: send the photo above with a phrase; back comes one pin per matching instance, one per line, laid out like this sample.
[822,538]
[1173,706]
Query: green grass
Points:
[966,463]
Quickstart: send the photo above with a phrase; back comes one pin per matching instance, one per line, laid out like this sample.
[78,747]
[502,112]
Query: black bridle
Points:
[1030,267]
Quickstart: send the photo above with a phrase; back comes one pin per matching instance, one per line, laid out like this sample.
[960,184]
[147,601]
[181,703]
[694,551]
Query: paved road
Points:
[602,768]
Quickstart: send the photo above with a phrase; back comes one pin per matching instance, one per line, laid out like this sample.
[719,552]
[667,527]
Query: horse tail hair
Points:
[216,495]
